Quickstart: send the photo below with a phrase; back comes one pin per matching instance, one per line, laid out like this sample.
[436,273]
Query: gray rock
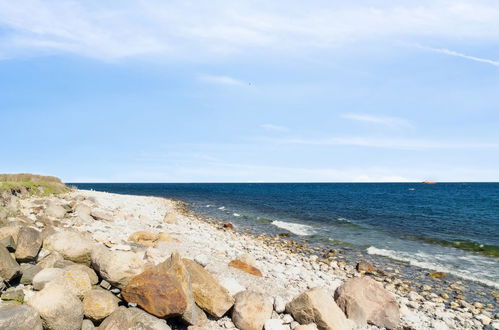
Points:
[99,304]
[55,210]
[90,272]
[87,325]
[13,293]
[45,276]
[58,307]
[29,242]
[50,259]
[9,268]
[71,245]
[132,319]
[20,317]
[29,271]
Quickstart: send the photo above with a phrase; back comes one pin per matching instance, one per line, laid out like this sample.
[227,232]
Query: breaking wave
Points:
[295,228]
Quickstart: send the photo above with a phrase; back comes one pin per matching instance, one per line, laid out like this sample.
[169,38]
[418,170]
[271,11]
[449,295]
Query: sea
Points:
[444,227]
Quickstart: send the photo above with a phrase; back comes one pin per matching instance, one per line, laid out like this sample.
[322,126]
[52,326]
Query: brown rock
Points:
[228,225]
[251,310]
[245,267]
[143,238]
[365,267]
[159,293]
[208,293]
[365,301]
[170,218]
[164,237]
[317,306]
[132,318]
[29,242]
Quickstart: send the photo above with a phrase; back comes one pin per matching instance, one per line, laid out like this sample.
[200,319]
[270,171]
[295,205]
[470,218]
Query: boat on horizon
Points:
[429,182]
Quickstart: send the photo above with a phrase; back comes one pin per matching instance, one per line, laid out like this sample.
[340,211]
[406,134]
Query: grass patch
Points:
[31,184]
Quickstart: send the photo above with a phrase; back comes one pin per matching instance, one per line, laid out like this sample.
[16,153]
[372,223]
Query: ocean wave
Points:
[236,214]
[401,256]
[295,228]
[221,208]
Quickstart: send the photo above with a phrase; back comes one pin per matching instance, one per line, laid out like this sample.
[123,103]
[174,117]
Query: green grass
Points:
[35,185]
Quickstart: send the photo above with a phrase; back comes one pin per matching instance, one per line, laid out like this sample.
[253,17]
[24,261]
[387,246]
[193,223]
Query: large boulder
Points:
[55,210]
[71,245]
[208,293]
[132,318]
[58,307]
[99,304]
[9,268]
[29,242]
[29,271]
[89,271]
[117,267]
[49,258]
[251,310]
[19,317]
[11,229]
[74,280]
[45,276]
[366,301]
[193,315]
[317,306]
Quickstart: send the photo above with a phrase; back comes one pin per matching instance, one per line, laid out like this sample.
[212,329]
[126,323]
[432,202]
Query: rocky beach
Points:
[84,259]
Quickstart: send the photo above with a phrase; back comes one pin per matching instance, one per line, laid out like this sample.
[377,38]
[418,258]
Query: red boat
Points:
[429,182]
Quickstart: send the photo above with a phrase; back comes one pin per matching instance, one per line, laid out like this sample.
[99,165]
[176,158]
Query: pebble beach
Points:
[124,238]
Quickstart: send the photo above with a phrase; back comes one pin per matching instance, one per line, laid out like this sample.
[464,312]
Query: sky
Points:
[250,91]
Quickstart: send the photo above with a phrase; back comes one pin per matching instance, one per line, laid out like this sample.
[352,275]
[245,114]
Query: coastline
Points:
[288,268]
[276,257]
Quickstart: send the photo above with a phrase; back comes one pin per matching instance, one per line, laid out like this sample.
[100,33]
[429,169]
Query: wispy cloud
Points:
[114,29]
[383,120]
[457,54]
[222,80]
[389,143]
[275,128]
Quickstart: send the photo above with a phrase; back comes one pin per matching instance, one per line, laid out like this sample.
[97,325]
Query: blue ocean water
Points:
[450,227]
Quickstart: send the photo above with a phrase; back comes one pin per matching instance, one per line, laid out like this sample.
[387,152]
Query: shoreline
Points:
[287,268]
[420,311]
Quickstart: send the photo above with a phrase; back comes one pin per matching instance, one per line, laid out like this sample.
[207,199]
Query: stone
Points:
[74,280]
[228,226]
[132,319]
[310,326]
[143,238]
[364,267]
[13,293]
[247,259]
[364,300]
[202,259]
[208,293]
[158,293]
[9,243]
[29,242]
[274,324]
[89,271]
[117,267]
[59,308]
[193,315]
[164,237]
[437,275]
[170,218]
[317,306]
[102,215]
[64,263]
[251,310]
[11,229]
[49,260]
[21,317]
[45,276]
[28,273]
[245,268]
[71,245]
[279,304]
[232,285]
[99,304]
[55,210]
[87,325]
[9,268]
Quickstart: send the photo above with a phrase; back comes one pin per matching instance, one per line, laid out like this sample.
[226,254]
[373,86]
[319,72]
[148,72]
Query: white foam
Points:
[401,256]
[295,228]
[221,208]
[236,214]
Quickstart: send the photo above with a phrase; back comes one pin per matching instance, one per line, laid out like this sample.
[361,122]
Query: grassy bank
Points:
[31,184]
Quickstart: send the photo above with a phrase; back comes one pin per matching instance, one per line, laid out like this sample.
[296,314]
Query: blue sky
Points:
[216,91]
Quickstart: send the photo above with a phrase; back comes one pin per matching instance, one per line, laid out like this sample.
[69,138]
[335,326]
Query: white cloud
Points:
[457,54]
[222,80]
[272,127]
[389,143]
[389,121]
[116,29]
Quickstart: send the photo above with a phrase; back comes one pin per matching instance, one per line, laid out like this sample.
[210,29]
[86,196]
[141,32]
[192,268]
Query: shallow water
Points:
[449,227]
